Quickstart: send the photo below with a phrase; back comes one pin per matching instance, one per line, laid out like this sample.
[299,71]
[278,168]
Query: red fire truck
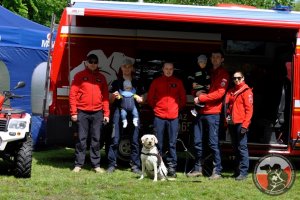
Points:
[265,44]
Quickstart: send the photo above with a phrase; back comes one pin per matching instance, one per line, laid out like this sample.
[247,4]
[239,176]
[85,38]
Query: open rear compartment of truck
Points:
[263,44]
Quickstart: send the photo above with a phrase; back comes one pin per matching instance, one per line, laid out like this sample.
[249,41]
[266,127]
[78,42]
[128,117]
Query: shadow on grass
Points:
[59,157]
[63,157]
[6,168]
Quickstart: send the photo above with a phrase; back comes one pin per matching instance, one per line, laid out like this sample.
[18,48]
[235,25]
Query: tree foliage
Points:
[41,11]
[267,4]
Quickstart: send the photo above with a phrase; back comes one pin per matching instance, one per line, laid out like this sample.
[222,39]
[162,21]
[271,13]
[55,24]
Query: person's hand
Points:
[74,118]
[139,99]
[196,100]
[199,92]
[243,130]
[117,95]
[106,120]
[195,85]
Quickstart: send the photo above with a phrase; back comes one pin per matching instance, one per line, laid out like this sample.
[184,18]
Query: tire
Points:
[23,159]
[124,149]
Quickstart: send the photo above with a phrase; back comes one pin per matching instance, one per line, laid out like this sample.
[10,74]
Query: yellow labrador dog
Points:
[152,162]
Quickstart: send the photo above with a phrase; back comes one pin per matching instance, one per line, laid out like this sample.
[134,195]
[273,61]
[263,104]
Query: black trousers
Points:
[88,123]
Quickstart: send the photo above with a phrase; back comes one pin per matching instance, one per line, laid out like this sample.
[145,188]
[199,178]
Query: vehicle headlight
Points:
[16,124]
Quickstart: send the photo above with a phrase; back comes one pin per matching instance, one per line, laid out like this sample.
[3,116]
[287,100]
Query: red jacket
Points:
[2,98]
[89,92]
[166,96]
[214,98]
[240,104]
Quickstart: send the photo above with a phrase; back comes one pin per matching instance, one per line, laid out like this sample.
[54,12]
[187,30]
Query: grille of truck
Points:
[3,125]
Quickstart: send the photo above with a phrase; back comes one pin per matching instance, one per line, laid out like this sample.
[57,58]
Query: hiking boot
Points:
[110,170]
[172,173]
[98,170]
[194,174]
[215,177]
[76,169]
[241,178]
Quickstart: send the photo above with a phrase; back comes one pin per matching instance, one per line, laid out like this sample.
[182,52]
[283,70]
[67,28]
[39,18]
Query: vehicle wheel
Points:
[124,149]
[23,159]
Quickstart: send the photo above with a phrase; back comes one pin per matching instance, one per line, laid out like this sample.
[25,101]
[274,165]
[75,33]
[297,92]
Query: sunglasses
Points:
[237,78]
[93,62]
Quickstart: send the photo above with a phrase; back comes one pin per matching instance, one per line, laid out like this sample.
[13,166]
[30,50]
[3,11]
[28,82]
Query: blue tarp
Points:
[23,45]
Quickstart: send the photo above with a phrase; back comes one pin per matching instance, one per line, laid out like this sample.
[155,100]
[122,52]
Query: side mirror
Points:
[20,85]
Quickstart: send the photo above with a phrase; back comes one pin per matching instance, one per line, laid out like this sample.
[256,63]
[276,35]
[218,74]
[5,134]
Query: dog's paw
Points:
[142,177]
[154,180]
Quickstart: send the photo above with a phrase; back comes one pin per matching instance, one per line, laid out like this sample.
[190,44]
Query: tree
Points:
[39,11]
[267,4]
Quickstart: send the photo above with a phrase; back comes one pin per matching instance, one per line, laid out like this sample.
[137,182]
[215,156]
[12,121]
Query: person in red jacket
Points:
[208,117]
[89,107]
[239,101]
[167,96]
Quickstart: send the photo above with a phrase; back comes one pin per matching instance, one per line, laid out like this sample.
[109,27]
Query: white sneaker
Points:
[125,123]
[194,112]
[135,121]
[99,170]
[76,169]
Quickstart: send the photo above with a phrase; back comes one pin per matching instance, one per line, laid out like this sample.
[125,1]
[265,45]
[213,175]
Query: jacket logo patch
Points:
[223,84]
[250,99]
[198,73]
[85,78]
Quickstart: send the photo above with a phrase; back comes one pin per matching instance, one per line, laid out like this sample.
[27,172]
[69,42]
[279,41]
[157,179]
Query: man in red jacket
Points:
[89,106]
[208,118]
[167,96]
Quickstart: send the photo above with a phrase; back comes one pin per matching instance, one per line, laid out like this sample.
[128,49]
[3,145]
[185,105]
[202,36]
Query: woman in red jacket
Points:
[239,100]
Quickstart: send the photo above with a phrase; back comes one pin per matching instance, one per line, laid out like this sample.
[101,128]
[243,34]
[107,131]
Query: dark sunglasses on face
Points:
[237,78]
[93,62]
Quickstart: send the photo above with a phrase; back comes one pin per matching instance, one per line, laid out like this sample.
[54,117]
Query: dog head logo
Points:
[274,174]
[149,140]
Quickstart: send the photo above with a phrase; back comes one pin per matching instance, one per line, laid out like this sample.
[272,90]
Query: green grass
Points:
[52,179]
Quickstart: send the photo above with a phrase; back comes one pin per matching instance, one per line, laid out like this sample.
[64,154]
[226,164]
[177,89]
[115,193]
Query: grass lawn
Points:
[52,179]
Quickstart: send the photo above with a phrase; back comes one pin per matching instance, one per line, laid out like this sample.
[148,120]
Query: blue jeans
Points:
[115,139]
[172,129]
[239,144]
[211,124]
[134,113]
[88,123]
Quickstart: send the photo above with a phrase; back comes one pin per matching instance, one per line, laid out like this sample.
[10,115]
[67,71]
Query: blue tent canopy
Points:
[20,32]
[23,45]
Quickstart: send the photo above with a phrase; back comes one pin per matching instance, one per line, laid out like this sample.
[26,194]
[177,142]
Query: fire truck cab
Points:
[264,44]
